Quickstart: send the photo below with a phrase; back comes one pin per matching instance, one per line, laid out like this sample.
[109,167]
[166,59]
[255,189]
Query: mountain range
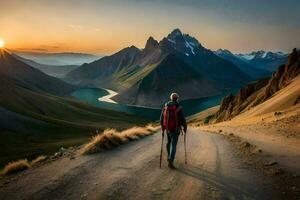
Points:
[177,63]
[284,82]
[58,71]
[243,64]
[265,59]
[58,59]
[14,71]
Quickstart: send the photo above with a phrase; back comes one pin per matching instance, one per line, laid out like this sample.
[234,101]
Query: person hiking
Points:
[172,120]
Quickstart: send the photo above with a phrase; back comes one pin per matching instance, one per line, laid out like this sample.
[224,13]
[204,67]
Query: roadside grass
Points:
[108,139]
[38,160]
[21,165]
[111,138]
[16,146]
[15,167]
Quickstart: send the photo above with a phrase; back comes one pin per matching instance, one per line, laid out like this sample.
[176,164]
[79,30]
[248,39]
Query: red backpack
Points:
[170,121]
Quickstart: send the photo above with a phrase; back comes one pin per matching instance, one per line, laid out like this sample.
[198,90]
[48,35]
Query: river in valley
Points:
[101,98]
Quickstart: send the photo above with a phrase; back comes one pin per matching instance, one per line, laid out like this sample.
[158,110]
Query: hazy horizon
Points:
[104,27]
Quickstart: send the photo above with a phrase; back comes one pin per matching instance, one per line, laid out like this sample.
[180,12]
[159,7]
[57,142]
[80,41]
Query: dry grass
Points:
[15,167]
[38,160]
[152,127]
[111,138]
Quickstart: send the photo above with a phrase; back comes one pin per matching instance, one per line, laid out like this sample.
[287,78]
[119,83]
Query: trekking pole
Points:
[161,148]
[185,148]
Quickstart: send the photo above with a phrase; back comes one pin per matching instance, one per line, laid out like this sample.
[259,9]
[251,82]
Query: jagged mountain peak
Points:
[151,43]
[175,33]
[181,43]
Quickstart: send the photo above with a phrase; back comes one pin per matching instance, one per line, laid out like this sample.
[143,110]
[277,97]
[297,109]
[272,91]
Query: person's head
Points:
[174,97]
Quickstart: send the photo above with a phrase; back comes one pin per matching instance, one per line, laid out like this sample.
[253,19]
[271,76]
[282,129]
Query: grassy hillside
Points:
[34,123]
[34,120]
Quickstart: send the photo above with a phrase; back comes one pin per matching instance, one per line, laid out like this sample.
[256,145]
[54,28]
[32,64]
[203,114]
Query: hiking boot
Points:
[171,166]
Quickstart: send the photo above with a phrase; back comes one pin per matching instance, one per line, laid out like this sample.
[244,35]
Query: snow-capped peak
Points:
[183,43]
[188,45]
[176,32]
[170,40]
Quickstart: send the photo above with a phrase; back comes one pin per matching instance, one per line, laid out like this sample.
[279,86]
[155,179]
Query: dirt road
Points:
[132,172]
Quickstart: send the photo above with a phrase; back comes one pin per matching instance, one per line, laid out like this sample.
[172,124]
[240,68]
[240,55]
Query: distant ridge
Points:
[54,59]
[253,71]
[17,72]
[265,59]
[57,71]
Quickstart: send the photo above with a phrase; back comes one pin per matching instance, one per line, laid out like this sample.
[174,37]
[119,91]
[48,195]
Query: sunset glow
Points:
[2,43]
[104,27]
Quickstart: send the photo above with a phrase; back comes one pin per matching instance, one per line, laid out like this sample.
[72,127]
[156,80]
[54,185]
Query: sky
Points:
[105,26]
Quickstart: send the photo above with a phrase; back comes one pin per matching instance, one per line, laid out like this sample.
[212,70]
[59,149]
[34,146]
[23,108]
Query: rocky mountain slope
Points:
[102,72]
[260,91]
[128,68]
[178,76]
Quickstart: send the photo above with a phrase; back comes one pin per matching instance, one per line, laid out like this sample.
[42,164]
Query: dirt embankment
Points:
[269,142]
[277,134]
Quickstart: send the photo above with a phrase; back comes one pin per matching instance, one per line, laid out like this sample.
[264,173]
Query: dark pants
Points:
[172,143]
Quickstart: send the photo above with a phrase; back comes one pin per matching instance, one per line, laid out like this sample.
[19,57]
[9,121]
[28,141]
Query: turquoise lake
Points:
[190,107]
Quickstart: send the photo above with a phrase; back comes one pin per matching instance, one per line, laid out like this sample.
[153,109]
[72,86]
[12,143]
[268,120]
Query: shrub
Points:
[38,160]
[111,138]
[152,128]
[208,118]
[15,167]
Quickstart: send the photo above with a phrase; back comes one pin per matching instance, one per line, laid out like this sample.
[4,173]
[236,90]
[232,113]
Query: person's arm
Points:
[182,120]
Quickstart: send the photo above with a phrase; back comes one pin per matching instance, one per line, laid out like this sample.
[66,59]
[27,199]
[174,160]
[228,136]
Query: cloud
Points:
[96,30]
[75,26]
[39,49]
[49,46]
[30,50]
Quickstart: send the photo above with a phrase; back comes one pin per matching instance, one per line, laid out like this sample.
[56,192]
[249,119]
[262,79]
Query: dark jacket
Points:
[181,118]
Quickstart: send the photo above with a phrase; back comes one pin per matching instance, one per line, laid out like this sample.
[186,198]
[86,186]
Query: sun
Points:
[2,43]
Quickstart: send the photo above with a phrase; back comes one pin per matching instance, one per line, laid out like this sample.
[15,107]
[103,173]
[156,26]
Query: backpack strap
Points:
[165,117]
